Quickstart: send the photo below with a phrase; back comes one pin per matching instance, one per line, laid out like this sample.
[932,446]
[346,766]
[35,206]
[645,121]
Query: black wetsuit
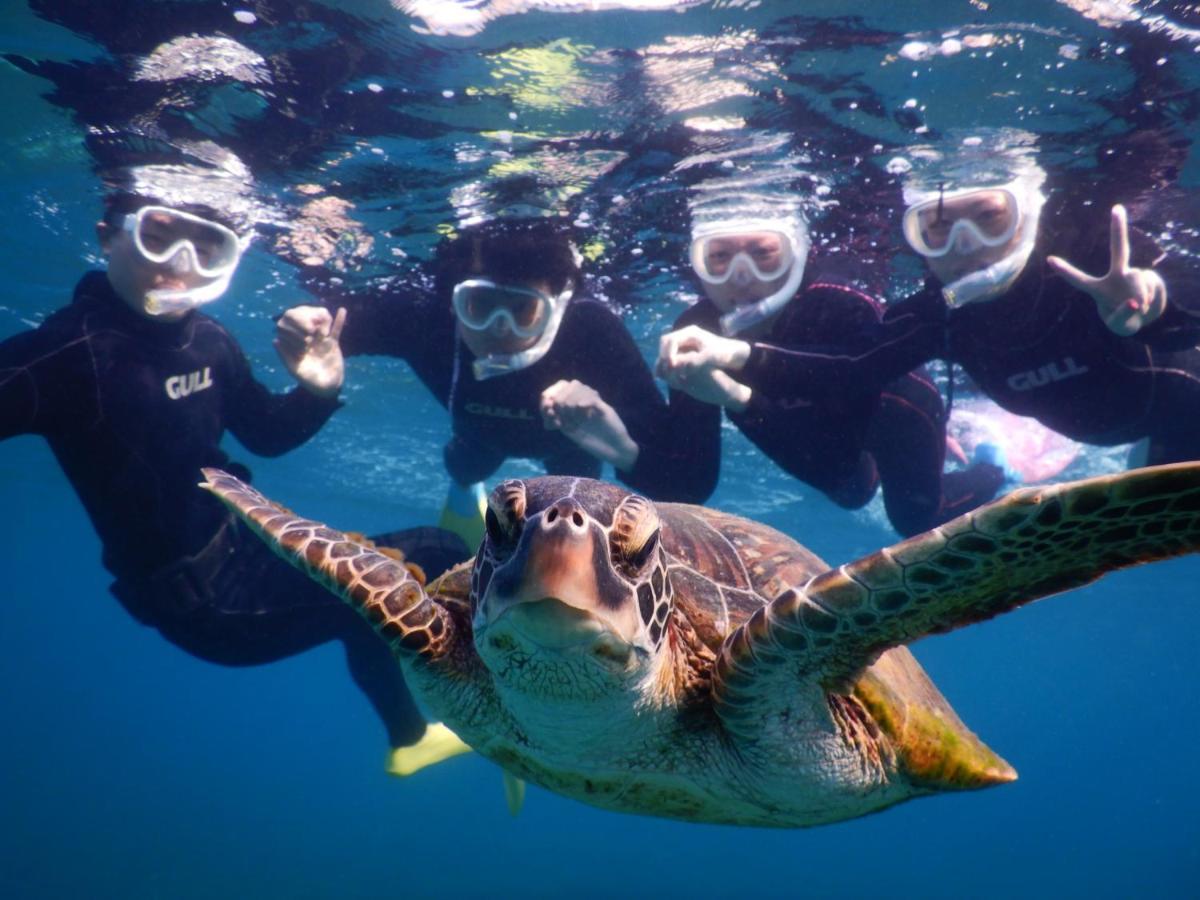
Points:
[1039,350]
[132,409]
[499,418]
[844,438]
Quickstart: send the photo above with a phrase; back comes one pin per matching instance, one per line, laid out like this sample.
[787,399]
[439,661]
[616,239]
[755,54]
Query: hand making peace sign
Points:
[1127,298]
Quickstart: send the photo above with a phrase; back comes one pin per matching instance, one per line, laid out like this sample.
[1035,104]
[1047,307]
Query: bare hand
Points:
[1127,298]
[581,414]
[306,339]
[694,346]
[696,362]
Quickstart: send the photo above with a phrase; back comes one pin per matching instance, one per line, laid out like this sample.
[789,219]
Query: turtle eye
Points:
[635,534]
[638,558]
[495,530]
[505,512]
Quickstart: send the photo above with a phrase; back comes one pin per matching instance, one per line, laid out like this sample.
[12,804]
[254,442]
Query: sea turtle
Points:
[677,661]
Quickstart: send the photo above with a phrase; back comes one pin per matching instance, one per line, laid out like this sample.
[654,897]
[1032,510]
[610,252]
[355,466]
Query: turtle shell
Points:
[722,568]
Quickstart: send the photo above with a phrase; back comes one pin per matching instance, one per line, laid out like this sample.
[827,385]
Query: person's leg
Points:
[1172,447]
[908,441]
[260,609]
[379,676]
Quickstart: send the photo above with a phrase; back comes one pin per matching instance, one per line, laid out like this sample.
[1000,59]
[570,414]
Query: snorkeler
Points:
[843,438]
[133,389]
[527,367]
[1104,359]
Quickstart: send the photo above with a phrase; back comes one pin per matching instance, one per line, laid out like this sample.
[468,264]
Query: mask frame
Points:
[227,255]
[699,256]
[964,236]
[460,299]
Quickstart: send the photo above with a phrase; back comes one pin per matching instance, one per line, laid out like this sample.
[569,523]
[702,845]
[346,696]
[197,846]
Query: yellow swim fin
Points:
[437,745]
[514,794]
[464,511]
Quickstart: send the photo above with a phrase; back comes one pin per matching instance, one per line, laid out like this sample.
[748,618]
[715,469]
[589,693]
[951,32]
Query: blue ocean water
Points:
[128,769]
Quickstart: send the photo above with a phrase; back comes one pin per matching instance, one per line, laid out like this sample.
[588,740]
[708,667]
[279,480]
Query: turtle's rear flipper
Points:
[514,794]
[1032,543]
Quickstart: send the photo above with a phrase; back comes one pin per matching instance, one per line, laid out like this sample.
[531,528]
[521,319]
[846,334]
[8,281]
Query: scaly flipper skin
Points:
[1030,544]
[382,589]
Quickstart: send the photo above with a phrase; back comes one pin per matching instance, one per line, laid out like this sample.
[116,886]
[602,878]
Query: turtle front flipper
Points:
[1030,544]
[379,587]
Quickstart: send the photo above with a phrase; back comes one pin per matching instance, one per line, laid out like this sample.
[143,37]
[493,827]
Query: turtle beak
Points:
[555,563]
[558,592]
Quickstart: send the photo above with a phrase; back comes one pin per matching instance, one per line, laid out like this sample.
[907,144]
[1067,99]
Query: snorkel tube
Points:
[496,364]
[746,317]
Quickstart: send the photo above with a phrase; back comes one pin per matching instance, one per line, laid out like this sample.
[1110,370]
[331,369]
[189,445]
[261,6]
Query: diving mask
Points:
[479,303]
[184,241]
[962,221]
[760,255]
[186,244]
[529,313]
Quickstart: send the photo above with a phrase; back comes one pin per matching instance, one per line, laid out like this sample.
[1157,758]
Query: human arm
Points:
[869,351]
[47,380]
[605,400]
[832,336]
[266,423]
[385,320]
[682,462]
[19,393]
[671,463]
[469,461]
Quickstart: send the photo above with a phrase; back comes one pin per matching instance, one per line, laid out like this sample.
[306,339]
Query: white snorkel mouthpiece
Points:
[169,302]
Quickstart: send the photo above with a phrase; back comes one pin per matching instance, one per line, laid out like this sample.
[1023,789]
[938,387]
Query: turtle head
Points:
[570,595]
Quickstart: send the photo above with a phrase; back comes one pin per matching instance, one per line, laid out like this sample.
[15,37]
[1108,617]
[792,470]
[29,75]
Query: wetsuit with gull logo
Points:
[844,438]
[132,409]
[1039,350]
[499,418]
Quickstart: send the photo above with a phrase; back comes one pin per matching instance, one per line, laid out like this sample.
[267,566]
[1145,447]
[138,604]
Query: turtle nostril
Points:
[569,513]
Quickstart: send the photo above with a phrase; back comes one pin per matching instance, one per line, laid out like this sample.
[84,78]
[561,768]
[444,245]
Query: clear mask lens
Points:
[962,222]
[184,242]
[742,257]
[479,304]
